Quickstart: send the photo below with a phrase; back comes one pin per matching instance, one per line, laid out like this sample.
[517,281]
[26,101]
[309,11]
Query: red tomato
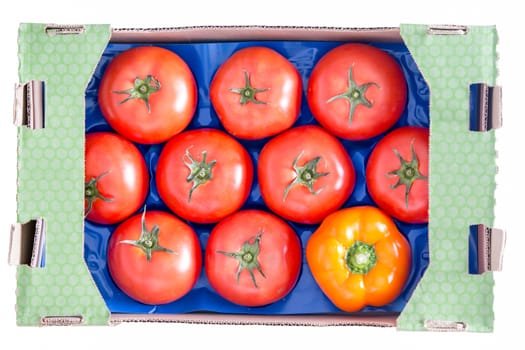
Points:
[357,91]
[148,94]
[256,93]
[305,174]
[154,257]
[204,175]
[253,258]
[116,178]
[397,174]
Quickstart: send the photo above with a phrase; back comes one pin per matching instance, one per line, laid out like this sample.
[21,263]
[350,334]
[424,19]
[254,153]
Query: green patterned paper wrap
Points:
[462,177]
[51,174]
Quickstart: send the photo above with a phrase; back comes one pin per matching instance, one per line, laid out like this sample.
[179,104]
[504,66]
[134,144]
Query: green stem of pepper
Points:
[361,257]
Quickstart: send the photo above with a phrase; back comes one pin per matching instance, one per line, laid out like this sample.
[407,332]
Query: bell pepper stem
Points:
[361,257]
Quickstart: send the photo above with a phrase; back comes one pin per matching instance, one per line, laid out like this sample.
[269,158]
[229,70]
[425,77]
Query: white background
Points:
[509,293]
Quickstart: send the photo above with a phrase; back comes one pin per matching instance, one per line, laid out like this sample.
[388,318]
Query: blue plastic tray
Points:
[306,297]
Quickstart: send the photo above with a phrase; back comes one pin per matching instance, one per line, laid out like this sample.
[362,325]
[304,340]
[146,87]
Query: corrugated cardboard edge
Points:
[376,320]
[253,32]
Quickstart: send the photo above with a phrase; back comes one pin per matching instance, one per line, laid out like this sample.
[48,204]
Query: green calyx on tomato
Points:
[142,89]
[148,241]
[248,257]
[200,172]
[92,193]
[248,92]
[361,257]
[355,94]
[305,175]
[408,172]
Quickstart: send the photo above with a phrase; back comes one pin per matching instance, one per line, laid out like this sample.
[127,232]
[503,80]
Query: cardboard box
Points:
[458,64]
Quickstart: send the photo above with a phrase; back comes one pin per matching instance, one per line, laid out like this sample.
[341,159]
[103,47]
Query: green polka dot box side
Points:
[51,174]
[462,177]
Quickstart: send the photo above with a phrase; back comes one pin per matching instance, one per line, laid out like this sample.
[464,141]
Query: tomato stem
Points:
[142,89]
[306,175]
[408,172]
[248,257]
[355,95]
[91,192]
[148,241]
[200,172]
[248,92]
[361,257]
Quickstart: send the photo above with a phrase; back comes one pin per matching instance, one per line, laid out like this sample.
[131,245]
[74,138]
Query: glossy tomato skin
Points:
[384,174]
[230,175]
[167,276]
[171,100]
[349,279]
[276,103]
[116,178]
[279,258]
[382,97]
[276,174]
